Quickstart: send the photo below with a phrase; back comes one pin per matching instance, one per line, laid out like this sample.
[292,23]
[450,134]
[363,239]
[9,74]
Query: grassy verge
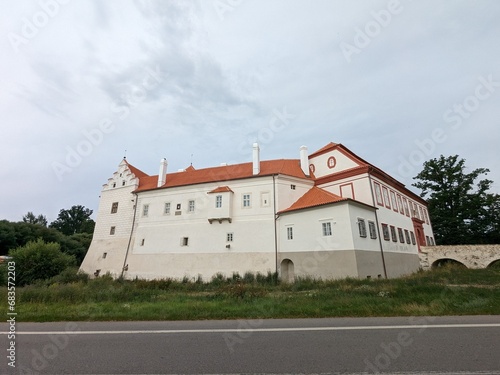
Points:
[447,291]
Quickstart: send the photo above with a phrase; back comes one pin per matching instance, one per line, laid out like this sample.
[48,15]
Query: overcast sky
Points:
[397,82]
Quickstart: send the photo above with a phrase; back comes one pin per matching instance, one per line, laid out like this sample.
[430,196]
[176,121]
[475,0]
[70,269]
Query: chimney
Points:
[304,160]
[162,176]
[256,159]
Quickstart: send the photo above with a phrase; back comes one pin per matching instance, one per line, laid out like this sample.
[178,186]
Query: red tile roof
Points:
[191,176]
[137,172]
[328,147]
[314,197]
[221,189]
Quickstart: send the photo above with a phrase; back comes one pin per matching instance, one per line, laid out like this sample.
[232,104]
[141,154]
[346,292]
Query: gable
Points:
[126,175]
[333,158]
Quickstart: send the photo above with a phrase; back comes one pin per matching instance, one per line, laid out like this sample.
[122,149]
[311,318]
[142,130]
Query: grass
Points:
[445,291]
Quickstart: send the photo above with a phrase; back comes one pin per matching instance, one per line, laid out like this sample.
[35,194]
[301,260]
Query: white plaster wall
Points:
[206,265]
[285,195]
[307,229]
[114,246]
[360,184]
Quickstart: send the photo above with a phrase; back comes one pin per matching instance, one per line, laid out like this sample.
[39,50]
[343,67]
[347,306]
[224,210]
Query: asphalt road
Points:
[444,345]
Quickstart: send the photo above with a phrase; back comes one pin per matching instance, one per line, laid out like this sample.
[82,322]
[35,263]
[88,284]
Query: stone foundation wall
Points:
[472,256]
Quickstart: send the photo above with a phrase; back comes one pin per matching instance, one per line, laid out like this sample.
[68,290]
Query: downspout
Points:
[131,232]
[378,225]
[275,228]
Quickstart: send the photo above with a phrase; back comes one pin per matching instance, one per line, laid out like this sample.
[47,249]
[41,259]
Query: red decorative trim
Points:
[405,204]
[400,202]
[352,190]
[378,194]
[394,201]
[331,162]
[341,175]
[387,199]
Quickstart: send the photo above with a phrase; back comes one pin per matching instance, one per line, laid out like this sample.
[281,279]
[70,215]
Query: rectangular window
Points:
[378,194]
[246,200]
[400,202]
[104,255]
[407,236]
[401,236]
[292,187]
[142,242]
[229,237]
[114,208]
[178,206]
[218,201]
[184,241]
[362,227]
[432,242]
[112,230]
[327,228]
[166,211]
[373,230]
[385,232]
[426,216]
[386,197]
[413,241]
[405,204]
[191,206]
[145,210]
[289,233]
[264,199]
[427,240]
[421,210]
[413,210]
[393,234]
[394,201]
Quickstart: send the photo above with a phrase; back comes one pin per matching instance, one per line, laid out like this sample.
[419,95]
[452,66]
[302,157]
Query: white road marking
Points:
[227,330]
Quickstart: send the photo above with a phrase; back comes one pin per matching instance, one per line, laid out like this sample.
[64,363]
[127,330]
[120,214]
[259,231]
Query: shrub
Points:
[38,260]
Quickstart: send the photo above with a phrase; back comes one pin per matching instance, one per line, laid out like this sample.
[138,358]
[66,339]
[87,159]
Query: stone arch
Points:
[447,262]
[494,264]
[287,271]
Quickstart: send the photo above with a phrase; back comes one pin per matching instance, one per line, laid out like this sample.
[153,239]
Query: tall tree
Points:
[32,219]
[461,209]
[75,220]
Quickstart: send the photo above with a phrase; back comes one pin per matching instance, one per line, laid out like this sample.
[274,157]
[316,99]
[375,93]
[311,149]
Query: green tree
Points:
[461,209]
[75,220]
[39,260]
[32,219]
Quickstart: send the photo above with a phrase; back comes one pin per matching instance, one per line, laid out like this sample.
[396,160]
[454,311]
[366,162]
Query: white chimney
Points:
[162,176]
[256,159]
[304,160]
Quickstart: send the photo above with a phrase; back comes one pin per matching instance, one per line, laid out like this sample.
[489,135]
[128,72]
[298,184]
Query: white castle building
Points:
[327,215]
